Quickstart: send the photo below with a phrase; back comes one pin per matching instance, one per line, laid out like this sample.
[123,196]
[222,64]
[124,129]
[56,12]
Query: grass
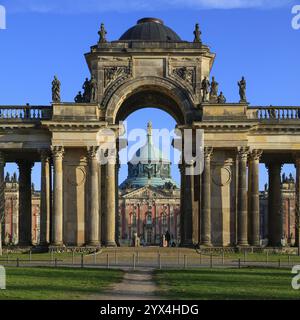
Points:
[56,283]
[214,284]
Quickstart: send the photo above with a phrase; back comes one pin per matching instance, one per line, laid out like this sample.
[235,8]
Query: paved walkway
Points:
[136,285]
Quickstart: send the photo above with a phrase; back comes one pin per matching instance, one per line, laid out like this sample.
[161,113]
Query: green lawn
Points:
[57,283]
[245,283]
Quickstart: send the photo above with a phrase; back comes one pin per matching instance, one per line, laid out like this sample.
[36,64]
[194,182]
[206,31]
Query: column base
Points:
[243,244]
[110,244]
[256,244]
[43,244]
[206,243]
[25,244]
[93,244]
[57,244]
[187,244]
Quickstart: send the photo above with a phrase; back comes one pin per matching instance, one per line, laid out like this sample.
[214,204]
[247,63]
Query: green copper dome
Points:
[149,167]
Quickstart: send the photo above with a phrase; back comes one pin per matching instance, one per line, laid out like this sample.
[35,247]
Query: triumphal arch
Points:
[150,66]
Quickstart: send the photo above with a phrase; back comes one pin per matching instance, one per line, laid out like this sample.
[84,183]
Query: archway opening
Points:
[149,179]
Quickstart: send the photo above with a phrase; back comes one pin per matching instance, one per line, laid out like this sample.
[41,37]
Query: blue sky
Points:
[253,38]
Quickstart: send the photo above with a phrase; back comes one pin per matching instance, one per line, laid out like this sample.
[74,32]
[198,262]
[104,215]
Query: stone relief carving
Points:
[187,74]
[111,74]
[78,178]
[221,176]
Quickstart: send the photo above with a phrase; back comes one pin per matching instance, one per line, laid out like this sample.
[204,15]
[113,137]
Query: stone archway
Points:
[150,92]
[174,100]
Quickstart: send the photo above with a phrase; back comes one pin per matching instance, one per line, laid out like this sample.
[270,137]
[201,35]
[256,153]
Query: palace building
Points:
[149,200]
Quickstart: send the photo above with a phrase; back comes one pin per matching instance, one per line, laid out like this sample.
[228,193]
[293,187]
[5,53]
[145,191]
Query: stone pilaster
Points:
[57,222]
[206,199]
[274,205]
[242,214]
[93,198]
[254,217]
[110,214]
[45,198]
[25,211]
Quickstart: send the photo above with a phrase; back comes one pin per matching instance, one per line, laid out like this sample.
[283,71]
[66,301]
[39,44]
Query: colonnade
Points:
[104,177]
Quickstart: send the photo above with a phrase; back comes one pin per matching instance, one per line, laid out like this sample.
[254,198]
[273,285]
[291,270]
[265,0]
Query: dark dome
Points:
[150,29]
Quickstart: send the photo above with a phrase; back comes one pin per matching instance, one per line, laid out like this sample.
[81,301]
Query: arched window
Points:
[164,219]
[133,221]
[149,218]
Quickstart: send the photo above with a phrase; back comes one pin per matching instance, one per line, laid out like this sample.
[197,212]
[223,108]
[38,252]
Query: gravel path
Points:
[136,285]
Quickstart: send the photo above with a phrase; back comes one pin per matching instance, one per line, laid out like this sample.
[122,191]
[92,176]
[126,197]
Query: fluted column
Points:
[274,205]
[57,223]
[187,211]
[242,197]
[254,198]
[182,187]
[45,198]
[206,199]
[93,219]
[2,188]
[110,216]
[25,211]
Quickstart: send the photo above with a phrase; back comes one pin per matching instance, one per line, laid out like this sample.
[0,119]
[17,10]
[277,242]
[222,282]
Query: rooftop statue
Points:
[197,34]
[94,89]
[221,98]
[87,90]
[242,91]
[214,87]
[79,97]
[55,90]
[102,34]
[205,84]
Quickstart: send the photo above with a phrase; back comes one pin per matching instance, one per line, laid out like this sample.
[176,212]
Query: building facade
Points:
[288,211]
[149,200]
[10,228]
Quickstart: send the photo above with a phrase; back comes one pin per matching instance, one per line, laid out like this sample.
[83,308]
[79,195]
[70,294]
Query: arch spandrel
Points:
[166,95]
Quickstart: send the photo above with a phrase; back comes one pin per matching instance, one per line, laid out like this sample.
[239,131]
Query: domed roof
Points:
[150,29]
[149,153]
[148,167]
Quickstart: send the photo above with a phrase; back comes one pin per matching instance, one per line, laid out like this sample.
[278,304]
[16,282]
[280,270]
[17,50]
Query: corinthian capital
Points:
[208,151]
[242,154]
[92,152]
[2,159]
[255,154]
[57,152]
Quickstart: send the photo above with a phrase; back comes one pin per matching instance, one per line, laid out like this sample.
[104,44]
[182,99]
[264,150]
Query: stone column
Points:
[2,188]
[93,200]
[57,223]
[182,187]
[110,214]
[25,210]
[254,198]
[45,198]
[187,211]
[242,197]
[274,205]
[206,199]
[297,202]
